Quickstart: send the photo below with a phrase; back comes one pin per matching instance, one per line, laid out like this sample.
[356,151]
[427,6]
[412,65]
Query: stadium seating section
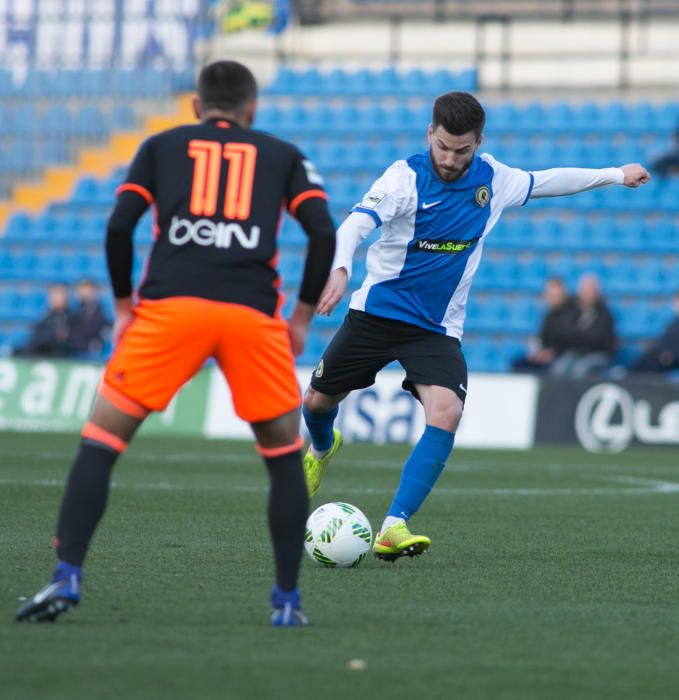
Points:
[353,125]
[46,117]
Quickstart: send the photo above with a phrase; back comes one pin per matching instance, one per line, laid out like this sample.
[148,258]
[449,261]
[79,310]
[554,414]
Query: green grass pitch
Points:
[552,574]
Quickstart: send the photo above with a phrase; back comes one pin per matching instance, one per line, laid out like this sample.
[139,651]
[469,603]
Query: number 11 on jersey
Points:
[208,157]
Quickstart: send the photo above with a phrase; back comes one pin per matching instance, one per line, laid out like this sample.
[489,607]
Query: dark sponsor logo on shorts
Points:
[447,247]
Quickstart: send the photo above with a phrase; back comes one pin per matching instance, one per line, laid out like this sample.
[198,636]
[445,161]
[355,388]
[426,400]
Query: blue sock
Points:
[421,471]
[64,570]
[320,428]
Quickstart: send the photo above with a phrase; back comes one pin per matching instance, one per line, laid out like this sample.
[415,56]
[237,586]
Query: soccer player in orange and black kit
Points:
[211,290]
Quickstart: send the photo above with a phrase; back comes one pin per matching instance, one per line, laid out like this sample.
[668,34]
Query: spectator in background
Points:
[667,164]
[50,335]
[554,331]
[590,341]
[663,353]
[88,324]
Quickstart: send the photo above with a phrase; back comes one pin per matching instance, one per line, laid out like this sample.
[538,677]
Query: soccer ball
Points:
[337,535]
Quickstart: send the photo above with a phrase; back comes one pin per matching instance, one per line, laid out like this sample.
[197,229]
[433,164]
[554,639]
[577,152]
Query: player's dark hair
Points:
[458,113]
[226,86]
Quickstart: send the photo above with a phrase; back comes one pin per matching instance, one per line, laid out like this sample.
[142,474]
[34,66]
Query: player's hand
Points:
[124,315]
[635,175]
[543,356]
[333,292]
[298,326]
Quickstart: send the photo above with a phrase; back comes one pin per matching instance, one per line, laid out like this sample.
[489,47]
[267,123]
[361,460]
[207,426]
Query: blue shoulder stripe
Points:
[370,212]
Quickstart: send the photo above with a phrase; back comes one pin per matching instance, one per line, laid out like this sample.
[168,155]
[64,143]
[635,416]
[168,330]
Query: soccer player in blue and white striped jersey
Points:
[435,210]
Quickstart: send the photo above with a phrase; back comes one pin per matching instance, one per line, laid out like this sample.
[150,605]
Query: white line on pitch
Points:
[455,465]
[645,487]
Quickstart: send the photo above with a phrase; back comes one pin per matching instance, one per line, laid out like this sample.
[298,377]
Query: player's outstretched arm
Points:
[557,182]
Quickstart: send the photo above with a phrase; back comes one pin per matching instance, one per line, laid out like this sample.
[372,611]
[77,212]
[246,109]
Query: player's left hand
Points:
[635,175]
[124,315]
[333,292]
[298,326]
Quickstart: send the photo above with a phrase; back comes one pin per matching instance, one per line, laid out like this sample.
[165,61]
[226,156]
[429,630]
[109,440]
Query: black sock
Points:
[288,511]
[84,501]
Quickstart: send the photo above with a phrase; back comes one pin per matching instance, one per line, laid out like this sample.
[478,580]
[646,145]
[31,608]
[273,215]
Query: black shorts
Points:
[365,344]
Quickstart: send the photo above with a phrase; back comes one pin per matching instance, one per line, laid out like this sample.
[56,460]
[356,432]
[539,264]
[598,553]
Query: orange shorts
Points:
[170,340]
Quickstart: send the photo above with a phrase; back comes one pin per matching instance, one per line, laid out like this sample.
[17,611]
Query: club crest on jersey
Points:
[319,370]
[372,199]
[482,196]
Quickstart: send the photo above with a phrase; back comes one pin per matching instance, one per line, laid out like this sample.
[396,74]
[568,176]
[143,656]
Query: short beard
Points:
[442,175]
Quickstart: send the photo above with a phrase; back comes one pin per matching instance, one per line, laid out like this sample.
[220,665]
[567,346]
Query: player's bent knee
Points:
[447,418]
[109,417]
[280,432]
[316,402]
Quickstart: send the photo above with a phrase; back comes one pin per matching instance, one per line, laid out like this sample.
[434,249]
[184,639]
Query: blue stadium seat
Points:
[532,274]
[336,82]
[522,316]
[36,84]
[467,80]
[7,88]
[502,117]
[661,235]
[23,119]
[90,122]
[18,227]
[86,190]
[309,82]
[506,351]
[122,116]
[124,83]
[480,353]
[619,275]
[68,229]
[634,321]
[492,314]
[57,121]
[530,117]
[612,117]
[558,117]
[267,118]
[667,116]
[585,117]
[6,263]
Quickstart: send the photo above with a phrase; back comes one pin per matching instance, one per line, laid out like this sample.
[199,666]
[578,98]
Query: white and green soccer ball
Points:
[337,535]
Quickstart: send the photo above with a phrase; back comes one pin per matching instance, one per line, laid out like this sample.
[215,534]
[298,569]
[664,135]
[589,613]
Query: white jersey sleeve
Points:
[557,182]
[354,229]
[390,195]
[511,186]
